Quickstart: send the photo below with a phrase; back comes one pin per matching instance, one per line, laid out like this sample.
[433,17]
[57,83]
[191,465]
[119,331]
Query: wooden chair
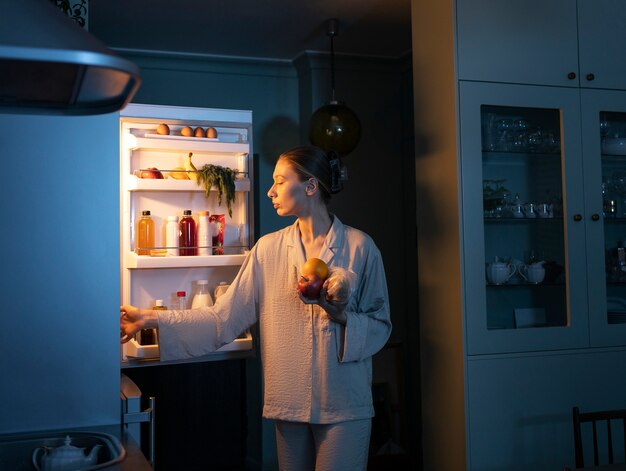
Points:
[607,417]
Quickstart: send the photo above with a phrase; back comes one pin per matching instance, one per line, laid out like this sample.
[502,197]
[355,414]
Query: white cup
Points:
[533,273]
[499,272]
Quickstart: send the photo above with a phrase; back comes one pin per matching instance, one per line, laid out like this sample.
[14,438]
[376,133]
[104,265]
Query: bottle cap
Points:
[145,213]
[180,294]
[158,302]
[172,218]
[187,212]
[203,282]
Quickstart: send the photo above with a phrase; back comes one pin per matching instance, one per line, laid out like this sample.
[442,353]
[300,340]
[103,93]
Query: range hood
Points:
[50,65]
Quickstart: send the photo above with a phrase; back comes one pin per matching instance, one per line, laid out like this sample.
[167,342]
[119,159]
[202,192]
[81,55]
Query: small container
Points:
[202,297]
[181,300]
[218,221]
[149,336]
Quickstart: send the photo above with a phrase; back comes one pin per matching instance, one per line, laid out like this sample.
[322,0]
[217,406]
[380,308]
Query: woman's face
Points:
[288,193]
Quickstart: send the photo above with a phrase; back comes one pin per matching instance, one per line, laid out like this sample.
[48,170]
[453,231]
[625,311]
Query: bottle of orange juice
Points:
[144,240]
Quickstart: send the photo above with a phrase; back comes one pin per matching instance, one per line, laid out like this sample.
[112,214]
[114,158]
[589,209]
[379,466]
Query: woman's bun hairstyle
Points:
[326,167]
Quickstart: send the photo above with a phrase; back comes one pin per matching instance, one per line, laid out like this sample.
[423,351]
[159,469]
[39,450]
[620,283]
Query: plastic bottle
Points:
[181,300]
[145,234]
[172,235]
[202,297]
[204,233]
[187,240]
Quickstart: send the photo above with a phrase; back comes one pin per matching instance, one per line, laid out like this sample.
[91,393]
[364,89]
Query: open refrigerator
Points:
[162,272]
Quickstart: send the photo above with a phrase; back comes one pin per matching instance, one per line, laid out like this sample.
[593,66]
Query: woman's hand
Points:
[334,297]
[133,319]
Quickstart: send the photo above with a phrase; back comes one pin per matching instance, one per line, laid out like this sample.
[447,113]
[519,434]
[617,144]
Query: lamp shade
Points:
[335,127]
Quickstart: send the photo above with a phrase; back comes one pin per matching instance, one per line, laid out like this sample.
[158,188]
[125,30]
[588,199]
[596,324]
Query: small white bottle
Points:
[202,297]
[172,235]
[204,233]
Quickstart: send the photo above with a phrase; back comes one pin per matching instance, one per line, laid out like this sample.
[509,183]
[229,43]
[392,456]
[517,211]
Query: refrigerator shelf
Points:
[133,183]
[145,261]
[134,351]
[191,144]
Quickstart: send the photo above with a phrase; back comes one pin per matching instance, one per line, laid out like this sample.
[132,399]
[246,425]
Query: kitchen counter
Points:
[133,461]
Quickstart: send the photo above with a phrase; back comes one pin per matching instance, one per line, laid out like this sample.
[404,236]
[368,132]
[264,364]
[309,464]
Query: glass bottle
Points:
[172,235]
[204,233]
[145,234]
[202,297]
[187,240]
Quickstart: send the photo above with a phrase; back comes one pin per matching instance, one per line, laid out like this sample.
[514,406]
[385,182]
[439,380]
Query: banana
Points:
[179,173]
[192,171]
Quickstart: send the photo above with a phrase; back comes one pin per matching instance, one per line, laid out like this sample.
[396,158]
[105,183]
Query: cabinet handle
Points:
[595,217]
[571,75]
[578,217]
[590,77]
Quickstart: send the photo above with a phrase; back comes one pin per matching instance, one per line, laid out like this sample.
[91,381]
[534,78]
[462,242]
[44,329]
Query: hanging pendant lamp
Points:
[334,127]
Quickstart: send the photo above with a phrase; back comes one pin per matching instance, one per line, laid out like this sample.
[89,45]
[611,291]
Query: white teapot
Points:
[534,272]
[500,272]
[64,458]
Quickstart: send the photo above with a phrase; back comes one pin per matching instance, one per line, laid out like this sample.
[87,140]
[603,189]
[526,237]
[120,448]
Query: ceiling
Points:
[271,29]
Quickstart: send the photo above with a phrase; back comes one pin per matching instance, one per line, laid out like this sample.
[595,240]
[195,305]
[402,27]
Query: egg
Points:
[186,131]
[199,132]
[211,133]
[163,129]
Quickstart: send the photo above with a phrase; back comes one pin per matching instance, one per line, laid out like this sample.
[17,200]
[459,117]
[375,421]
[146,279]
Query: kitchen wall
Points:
[59,199]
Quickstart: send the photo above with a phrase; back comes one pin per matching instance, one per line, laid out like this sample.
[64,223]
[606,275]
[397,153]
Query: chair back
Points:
[613,422]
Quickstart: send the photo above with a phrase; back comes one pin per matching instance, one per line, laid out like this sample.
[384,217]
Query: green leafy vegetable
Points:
[223,178]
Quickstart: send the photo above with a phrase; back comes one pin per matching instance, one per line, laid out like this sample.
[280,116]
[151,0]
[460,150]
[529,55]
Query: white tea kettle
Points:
[64,458]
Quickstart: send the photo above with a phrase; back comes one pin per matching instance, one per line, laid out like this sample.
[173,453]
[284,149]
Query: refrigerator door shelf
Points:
[133,183]
[133,350]
[197,261]
[192,145]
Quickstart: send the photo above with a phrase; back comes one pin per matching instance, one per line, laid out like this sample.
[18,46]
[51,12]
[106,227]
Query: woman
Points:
[316,357]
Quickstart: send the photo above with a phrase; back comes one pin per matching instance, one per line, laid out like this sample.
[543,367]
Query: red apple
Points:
[310,286]
[151,172]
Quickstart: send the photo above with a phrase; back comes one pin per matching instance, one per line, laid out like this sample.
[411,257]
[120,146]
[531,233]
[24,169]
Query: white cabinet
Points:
[550,42]
[157,275]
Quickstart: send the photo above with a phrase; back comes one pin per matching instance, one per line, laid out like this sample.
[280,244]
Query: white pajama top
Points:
[307,376]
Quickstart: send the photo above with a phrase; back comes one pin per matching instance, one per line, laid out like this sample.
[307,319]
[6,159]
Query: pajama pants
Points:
[343,446]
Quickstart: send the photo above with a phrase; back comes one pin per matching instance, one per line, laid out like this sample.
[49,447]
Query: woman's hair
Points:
[311,161]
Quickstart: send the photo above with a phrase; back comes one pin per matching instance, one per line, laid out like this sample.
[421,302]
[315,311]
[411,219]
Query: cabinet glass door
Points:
[604,141]
[517,244]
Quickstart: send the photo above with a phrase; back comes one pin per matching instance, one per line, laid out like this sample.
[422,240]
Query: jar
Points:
[202,297]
